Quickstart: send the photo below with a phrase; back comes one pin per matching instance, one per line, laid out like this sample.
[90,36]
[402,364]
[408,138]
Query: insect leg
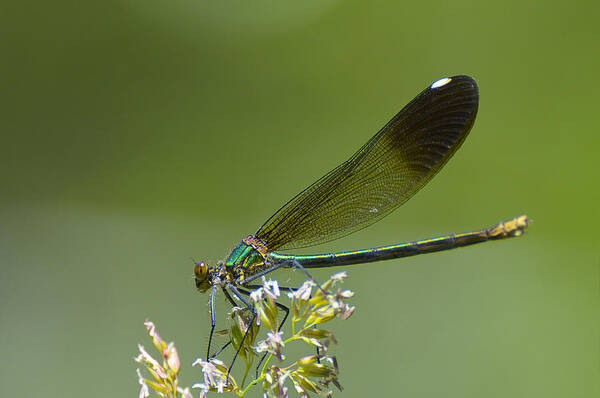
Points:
[293,263]
[254,287]
[297,265]
[287,312]
[213,321]
[272,268]
[281,306]
[237,294]
[221,350]
[230,299]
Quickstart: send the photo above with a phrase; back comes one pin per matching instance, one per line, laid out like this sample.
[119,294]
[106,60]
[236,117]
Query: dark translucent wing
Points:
[390,168]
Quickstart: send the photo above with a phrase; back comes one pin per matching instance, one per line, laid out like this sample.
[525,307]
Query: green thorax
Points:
[244,256]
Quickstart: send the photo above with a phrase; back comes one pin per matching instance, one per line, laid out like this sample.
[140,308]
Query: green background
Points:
[138,134]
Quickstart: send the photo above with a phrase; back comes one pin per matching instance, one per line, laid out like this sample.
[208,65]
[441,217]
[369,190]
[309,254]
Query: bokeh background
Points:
[139,134]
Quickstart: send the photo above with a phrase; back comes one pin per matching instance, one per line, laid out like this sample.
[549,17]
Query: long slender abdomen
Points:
[506,229]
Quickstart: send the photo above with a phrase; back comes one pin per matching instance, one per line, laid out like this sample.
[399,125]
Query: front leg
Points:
[237,294]
[213,320]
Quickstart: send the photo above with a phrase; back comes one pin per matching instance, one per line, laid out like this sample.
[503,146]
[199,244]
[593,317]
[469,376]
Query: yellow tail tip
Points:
[510,228]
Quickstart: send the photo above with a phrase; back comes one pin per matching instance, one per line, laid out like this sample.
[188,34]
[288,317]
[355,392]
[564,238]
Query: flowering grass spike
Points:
[311,306]
[165,381]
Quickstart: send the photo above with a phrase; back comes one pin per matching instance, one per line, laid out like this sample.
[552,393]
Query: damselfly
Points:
[389,169]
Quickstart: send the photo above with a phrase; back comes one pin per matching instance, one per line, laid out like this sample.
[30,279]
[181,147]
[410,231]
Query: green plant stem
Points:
[253,382]
[264,368]
[248,366]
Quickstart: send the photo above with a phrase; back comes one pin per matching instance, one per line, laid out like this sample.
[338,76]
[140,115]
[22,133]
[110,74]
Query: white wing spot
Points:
[441,82]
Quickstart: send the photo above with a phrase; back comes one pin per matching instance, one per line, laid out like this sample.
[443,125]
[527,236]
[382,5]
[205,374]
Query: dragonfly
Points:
[382,175]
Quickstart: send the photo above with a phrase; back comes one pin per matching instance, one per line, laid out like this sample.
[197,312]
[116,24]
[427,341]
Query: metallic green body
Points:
[244,256]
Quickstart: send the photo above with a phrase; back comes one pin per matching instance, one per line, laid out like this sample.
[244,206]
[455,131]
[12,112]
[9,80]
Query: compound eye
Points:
[201,275]
[201,271]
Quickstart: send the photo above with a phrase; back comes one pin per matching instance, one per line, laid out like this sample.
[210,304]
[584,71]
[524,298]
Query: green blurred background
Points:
[136,135]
